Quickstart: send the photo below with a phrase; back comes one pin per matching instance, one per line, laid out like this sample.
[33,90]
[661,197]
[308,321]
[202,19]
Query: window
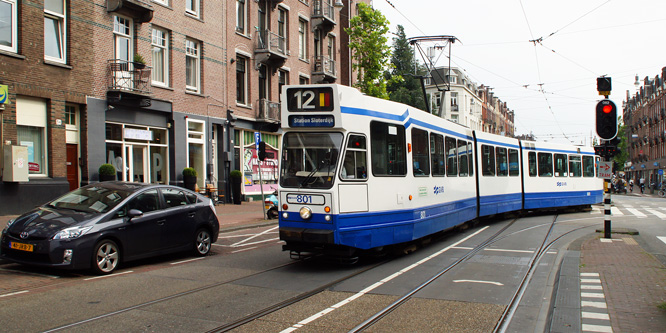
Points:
[160,45]
[488,160]
[437,154]
[54,30]
[196,153]
[561,165]
[283,79]
[263,82]
[575,167]
[174,197]
[8,28]
[70,115]
[502,162]
[462,159]
[192,65]
[303,80]
[241,80]
[451,157]
[532,164]
[192,7]
[387,142]
[330,47]
[282,23]
[302,40]
[545,164]
[420,152]
[454,100]
[31,123]
[514,166]
[241,10]
[355,165]
[470,153]
[588,166]
[147,201]
[164,2]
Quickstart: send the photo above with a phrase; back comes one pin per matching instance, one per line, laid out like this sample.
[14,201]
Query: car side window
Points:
[191,197]
[147,201]
[174,197]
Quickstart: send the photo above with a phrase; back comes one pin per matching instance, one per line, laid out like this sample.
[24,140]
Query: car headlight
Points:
[71,233]
[9,223]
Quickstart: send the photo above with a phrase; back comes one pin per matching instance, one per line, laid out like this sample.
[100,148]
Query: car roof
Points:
[125,186]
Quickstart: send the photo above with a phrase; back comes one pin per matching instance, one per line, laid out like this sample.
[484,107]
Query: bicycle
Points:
[662,191]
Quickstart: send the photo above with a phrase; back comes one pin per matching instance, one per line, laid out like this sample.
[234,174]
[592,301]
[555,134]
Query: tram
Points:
[358,173]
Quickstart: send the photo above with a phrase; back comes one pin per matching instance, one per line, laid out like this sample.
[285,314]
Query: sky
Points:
[550,84]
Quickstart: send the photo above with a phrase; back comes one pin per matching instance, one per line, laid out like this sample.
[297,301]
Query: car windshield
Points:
[309,160]
[90,199]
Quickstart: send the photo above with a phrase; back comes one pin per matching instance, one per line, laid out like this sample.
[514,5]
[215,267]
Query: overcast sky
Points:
[550,85]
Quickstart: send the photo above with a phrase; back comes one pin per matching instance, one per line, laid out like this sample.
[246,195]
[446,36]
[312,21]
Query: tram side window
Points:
[451,157]
[387,146]
[463,158]
[560,165]
[355,163]
[470,154]
[437,154]
[588,166]
[488,160]
[575,169]
[420,151]
[514,166]
[532,163]
[545,165]
[502,163]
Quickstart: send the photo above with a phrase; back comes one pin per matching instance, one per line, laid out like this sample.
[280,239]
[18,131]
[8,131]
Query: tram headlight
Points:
[305,212]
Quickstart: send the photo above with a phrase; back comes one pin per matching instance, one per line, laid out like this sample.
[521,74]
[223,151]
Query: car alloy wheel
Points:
[106,257]
[202,242]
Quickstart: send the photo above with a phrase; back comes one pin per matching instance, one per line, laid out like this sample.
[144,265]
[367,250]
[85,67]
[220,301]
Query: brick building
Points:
[80,97]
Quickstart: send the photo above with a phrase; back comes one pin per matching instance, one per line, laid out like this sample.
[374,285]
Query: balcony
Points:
[139,10]
[271,49]
[128,83]
[269,111]
[324,70]
[323,15]
[273,3]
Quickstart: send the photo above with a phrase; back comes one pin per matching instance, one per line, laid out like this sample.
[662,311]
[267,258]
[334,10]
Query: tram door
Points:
[136,169]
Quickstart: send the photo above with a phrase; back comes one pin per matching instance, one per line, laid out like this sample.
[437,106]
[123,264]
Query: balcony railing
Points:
[268,110]
[324,65]
[323,8]
[271,42]
[128,76]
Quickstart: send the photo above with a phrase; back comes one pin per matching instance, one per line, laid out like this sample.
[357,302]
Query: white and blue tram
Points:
[361,173]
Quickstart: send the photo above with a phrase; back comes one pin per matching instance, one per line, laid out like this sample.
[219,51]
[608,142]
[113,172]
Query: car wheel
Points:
[202,242]
[105,257]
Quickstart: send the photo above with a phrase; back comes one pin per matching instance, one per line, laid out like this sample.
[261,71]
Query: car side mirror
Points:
[134,213]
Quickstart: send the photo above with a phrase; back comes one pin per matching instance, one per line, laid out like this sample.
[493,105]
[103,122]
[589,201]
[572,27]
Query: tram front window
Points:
[309,160]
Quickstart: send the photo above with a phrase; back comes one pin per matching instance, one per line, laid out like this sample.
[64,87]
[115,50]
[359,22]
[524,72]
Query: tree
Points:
[621,158]
[402,84]
[369,50]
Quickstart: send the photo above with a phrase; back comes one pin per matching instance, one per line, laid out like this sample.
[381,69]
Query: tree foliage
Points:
[621,158]
[370,53]
[403,85]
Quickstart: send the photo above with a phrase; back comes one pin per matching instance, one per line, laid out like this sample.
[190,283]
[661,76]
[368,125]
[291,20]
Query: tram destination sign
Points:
[309,99]
[311,121]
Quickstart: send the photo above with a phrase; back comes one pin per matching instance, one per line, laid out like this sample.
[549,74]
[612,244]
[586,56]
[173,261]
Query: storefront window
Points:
[33,138]
[196,139]
[139,153]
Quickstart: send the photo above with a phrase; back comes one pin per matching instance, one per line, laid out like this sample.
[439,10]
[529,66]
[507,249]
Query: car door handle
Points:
[161,222]
[191,214]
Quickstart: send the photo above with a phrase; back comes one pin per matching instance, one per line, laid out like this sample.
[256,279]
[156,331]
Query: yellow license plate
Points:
[268,207]
[20,246]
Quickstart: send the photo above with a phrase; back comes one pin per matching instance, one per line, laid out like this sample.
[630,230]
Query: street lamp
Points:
[338,4]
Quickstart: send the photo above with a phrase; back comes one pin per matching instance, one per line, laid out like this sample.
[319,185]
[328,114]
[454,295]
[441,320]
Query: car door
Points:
[141,235]
[180,223]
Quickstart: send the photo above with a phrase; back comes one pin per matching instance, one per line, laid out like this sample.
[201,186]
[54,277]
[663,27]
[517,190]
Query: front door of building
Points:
[73,166]
[137,167]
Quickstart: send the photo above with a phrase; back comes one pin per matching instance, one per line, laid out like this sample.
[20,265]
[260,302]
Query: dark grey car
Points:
[103,224]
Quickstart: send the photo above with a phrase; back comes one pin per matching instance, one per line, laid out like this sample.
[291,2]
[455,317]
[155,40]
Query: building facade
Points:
[644,115]
[152,87]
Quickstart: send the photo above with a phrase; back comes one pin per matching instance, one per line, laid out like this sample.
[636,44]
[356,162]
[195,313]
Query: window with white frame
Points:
[192,7]
[196,153]
[31,131]
[282,23]
[241,16]
[164,2]
[192,65]
[302,40]
[54,30]
[8,25]
[241,79]
[160,45]
[454,98]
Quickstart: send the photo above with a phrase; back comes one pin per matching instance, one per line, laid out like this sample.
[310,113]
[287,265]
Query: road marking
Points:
[479,281]
[253,243]
[501,250]
[590,281]
[243,235]
[636,213]
[106,276]
[12,294]
[246,249]
[591,287]
[598,305]
[374,286]
[595,315]
[184,261]
[589,274]
[616,211]
[592,295]
[662,238]
[254,236]
[597,328]
[658,214]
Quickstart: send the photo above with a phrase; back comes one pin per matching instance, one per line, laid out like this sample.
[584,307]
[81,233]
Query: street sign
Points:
[605,170]
[257,138]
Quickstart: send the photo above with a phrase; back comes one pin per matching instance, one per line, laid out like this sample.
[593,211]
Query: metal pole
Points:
[261,185]
[607,208]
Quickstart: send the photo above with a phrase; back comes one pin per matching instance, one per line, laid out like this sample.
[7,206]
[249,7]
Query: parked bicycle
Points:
[662,190]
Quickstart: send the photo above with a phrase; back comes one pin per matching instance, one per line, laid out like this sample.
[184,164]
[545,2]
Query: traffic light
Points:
[230,118]
[262,151]
[604,85]
[606,119]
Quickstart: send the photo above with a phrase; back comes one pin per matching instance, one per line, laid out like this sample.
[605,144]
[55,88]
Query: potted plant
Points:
[236,178]
[107,172]
[190,178]
[139,62]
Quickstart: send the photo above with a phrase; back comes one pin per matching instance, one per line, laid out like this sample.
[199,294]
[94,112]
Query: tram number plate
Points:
[21,246]
[305,199]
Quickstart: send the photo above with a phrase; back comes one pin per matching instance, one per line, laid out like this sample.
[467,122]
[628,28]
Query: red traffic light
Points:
[607,108]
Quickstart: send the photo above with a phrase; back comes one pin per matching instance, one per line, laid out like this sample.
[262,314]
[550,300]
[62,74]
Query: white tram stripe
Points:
[377,284]
[656,213]
[636,213]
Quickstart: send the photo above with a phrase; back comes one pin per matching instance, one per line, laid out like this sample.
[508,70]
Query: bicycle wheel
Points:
[662,193]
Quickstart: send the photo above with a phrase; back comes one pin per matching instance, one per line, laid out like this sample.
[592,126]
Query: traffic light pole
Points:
[607,206]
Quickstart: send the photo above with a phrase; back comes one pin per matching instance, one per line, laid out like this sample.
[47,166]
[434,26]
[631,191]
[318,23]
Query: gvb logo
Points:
[439,189]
